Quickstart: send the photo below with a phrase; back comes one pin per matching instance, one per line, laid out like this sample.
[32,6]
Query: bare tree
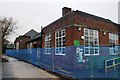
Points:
[7,26]
[0,42]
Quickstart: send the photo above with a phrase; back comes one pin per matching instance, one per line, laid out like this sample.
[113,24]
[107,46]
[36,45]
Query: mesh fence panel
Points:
[74,61]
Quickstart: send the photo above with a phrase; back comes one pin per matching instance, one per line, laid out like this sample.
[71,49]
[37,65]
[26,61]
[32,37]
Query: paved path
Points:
[0,70]
[19,69]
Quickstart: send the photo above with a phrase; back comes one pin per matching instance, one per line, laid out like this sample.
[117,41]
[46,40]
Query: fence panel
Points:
[74,61]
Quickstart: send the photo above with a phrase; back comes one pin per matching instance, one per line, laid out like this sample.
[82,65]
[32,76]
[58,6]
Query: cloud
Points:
[32,15]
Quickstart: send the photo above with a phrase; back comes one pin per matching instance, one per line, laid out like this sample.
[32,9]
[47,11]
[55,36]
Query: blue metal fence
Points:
[73,63]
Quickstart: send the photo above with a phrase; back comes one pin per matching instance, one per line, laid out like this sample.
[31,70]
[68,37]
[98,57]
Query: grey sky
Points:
[119,12]
[32,15]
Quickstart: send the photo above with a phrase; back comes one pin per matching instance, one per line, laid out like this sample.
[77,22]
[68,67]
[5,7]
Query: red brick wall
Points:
[103,39]
[70,36]
[43,40]
[53,39]
[94,23]
[23,41]
[72,33]
[36,43]
[60,23]
[97,24]
[51,28]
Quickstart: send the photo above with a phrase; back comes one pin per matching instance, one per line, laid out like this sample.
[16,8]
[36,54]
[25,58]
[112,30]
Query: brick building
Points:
[73,39]
[20,42]
[78,44]
[35,42]
[76,28]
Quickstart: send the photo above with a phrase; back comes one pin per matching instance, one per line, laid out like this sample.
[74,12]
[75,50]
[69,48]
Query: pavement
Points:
[0,70]
[15,68]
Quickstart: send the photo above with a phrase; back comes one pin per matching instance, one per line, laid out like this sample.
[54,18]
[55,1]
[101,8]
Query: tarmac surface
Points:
[0,70]
[15,68]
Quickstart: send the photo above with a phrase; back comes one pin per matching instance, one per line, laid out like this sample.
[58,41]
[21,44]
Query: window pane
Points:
[86,50]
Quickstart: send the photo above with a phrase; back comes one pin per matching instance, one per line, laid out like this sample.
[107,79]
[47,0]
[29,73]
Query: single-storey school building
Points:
[76,28]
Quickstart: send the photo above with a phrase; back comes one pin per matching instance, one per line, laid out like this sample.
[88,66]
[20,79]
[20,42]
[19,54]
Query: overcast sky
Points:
[33,13]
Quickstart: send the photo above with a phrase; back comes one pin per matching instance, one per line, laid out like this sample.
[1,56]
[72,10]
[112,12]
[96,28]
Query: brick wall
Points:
[59,24]
[101,25]
[72,32]
[94,23]
[22,40]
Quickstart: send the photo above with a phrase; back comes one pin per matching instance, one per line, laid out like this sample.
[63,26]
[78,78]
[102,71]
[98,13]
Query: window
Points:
[91,42]
[31,45]
[60,42]
[17,45]
[114,50]
[48,44]
[113,40]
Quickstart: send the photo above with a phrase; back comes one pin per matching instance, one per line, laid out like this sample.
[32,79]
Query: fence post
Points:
[105,66]
[114,64]
[53,64]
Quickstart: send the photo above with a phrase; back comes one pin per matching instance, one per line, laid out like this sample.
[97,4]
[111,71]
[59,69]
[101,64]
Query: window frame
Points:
[47,49]
[113,40]
[91,35]
[60,47]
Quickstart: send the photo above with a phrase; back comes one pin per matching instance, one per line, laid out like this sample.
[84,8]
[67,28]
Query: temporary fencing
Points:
[74,61]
